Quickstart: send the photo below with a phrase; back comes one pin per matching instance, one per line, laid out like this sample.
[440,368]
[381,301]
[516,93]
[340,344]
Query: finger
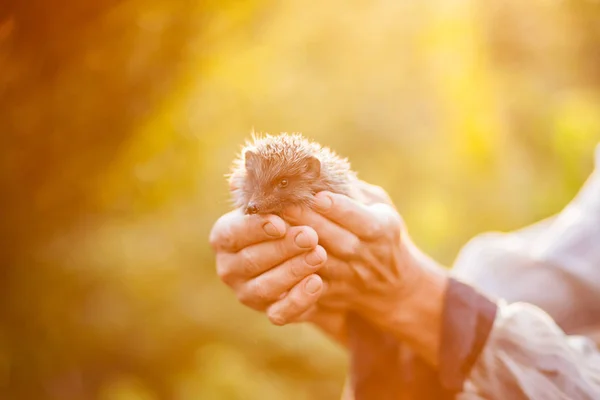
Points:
[306,315]
[299,299]
[268,287]
[335,269]
[330,307]
[251,261]
[353,274]
[348,213]
[338,241]
[331,321]
[367,222]
[338,295]
[236,230]
[373,193]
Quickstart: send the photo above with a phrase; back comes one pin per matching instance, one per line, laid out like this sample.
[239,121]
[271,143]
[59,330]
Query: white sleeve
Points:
[572,241]
[554,264]
[527,356]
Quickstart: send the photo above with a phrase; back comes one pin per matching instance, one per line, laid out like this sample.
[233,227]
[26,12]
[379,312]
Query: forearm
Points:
[417,319]
[444,321]
[492,350]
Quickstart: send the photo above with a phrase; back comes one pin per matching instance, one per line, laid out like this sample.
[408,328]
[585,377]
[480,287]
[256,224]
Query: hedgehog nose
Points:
[251,209]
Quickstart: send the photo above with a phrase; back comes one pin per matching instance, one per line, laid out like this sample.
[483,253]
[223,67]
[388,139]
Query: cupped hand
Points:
[275,268]
[370,260]
[363,260]
[271,267]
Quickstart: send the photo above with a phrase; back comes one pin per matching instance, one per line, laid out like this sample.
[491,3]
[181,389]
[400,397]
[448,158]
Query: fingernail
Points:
[277,319]
[315,257]
[271,230]
[313,285]
[323,202]
[302,240]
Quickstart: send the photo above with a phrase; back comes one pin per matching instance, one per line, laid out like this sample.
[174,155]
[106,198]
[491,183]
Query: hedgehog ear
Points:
[250,159]
[313,167]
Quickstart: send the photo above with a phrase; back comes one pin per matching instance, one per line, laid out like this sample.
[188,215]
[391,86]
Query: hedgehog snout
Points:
[252,208]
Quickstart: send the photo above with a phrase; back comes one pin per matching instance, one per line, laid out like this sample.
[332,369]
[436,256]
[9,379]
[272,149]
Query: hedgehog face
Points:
[275,182]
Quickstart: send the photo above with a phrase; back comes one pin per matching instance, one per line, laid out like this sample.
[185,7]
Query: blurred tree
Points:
[77,80]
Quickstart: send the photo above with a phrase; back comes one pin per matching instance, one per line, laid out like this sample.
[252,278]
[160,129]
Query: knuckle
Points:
[381,250]
[285,247]
[388,223]
[229,240]
[381,194]
[259,291]
[343,211]
[351,248]
[373,230]
[248,296]
[214,237]
[333,269]
[295,303]
[243,296]
[250,265]
[299,267]
[225,240]
[361,275]
[296,267]
[224,271]
[220,236]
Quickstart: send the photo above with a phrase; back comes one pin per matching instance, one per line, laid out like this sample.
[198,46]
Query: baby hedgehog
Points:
[274,171]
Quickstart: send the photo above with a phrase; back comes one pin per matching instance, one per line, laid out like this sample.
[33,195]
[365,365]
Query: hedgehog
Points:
[273,171]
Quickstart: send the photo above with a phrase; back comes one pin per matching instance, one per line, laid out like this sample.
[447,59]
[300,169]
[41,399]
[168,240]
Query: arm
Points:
[495,350]
[372,265]
[480,348]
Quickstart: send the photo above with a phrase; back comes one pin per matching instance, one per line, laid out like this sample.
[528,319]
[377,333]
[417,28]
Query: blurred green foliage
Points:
[119,121]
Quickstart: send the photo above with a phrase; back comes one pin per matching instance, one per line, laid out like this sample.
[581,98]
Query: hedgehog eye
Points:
[283,183]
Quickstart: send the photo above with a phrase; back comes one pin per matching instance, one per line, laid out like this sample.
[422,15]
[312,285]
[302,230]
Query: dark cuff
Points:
[467,320]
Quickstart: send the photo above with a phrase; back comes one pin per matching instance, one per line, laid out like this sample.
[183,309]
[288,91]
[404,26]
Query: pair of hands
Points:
[319,262]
